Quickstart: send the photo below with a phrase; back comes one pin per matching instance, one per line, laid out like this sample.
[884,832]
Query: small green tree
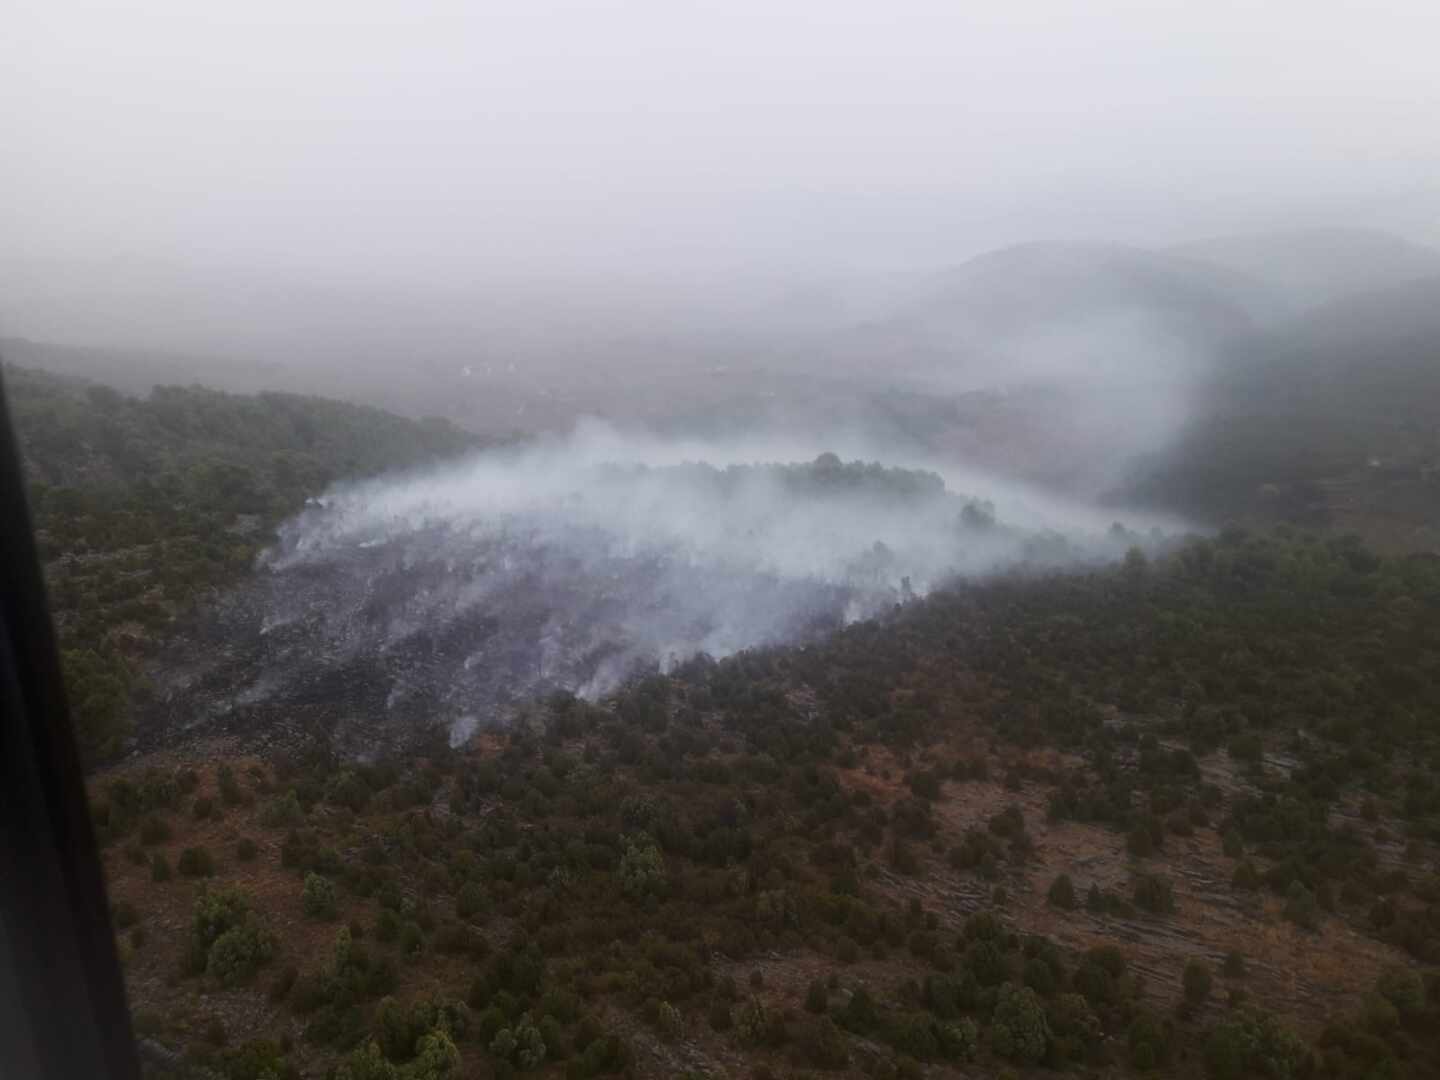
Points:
[668,1020]
[154,830]
[231,793]
[959,1039]
[1246,876]
[1019,1028]
[1301,907]
[1155,894]
[216,911]
[824,1044]
[318,897]
[753,1021]
[1402,987]
[225,940]
[367,1063]
[642,867]
[437,1058]
[470,900]
[1074,1027]
[1381,1017]
[238,953]
[1197,982]
[283,812]
[1249,1043]
[817,999]
[521,1045]
[1062,893]
[1150,1038]
[196,862]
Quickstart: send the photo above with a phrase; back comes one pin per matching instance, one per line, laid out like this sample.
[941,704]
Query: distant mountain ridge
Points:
[1307,268]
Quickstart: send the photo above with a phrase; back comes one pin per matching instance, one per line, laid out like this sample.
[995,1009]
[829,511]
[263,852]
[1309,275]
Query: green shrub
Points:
[824,1045]
[1155,894]
[913,1033]
[1301,907]
[752,1021]
[196,862]
[225,939]
[521,1045]
[1197,982]
[642,867]
[1250,1043]
[282,985]
[283,812]
[318,897]
[367,1063]
[387,925]
[237,953]
[159,867]
[1062,893]
[1151,1039]
[215,911]
[470,900]
[959,1040]
[817,999]
[1380,1015]
[412,939]
[1019,1028]
[246,849]
[1246,876]
[1402,987]
[154,830]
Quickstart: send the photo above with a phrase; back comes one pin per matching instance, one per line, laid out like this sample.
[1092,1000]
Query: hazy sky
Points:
[559,135]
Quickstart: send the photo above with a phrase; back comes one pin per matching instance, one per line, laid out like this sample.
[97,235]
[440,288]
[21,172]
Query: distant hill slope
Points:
[136,371]
[1310,267]
[1034,310]
[1015,289]
[1333,417]
[142,505]
[84,435]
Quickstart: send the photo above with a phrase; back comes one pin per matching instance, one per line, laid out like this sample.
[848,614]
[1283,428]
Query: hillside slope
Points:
[142,505]
[1175,816]
[1306,268]
[1329,419]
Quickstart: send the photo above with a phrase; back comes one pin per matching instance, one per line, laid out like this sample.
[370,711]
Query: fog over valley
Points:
[382,368]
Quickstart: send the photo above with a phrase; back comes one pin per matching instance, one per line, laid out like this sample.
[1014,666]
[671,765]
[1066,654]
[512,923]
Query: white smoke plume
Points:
[446,596]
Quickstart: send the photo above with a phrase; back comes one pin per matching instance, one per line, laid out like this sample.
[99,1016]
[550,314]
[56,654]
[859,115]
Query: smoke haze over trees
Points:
[666,540]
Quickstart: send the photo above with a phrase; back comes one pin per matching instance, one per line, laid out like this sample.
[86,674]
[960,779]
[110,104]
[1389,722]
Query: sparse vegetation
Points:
[765,858]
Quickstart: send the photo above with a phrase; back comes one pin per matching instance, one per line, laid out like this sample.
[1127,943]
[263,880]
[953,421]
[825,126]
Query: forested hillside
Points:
[1327,421]
[143,504]
[1178,816]
[1170,818]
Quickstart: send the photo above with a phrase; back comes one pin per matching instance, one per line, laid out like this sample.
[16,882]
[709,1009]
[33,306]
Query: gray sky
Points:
[556,136]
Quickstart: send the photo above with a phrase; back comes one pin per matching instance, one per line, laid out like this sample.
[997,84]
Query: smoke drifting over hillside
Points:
[443,597]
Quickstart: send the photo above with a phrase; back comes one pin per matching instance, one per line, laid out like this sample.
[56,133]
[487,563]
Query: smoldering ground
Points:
[445,598]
